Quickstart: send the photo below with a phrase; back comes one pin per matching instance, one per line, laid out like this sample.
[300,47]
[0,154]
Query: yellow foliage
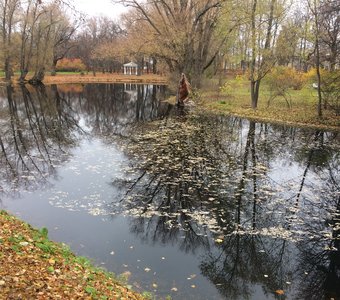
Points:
[283,78]
[310,76]
[70,65]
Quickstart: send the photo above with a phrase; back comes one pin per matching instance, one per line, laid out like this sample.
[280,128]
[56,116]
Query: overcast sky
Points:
[99,7]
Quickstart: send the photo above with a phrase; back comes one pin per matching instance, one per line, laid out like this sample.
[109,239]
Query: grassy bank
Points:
[234,99]
[33,267]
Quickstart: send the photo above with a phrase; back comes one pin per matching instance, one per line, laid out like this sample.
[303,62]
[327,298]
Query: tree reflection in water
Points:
[36,132]
[41,125]
[221,185]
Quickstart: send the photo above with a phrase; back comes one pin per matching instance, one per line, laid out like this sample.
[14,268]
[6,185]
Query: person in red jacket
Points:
[183,90]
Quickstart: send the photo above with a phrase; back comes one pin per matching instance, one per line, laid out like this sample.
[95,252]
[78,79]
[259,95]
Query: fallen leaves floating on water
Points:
[279,292]
[147,269]
[174,289]
[192,276]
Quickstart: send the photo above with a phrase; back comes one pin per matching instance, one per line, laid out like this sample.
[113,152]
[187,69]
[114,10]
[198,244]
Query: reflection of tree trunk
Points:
[140,97]
[35,123]
[241,186]
[6,157]
[333,275]
[254,172]
[309,160]
[154,101]
[15,126]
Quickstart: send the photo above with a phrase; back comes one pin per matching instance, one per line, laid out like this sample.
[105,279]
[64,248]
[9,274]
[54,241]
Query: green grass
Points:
[234,98]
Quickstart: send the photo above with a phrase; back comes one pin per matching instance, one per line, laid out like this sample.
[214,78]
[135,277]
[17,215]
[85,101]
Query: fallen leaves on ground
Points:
[33,267]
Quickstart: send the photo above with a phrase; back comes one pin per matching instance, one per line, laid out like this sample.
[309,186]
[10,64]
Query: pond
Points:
[187,205]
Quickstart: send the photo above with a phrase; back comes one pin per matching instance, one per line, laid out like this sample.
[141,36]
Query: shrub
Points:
[281,79]
[311,76]
[70,65]
[284,78]
[229,87]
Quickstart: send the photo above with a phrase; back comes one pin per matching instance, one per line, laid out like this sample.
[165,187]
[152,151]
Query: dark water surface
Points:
[188,205]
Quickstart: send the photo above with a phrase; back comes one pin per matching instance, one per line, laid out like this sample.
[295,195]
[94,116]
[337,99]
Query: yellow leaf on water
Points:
[279,292]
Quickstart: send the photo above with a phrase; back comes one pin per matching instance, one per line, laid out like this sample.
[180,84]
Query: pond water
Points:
[194,206]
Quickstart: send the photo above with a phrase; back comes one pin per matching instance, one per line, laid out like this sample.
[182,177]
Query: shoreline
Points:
[276,121]
[98,78]
[163,80]
[34,267]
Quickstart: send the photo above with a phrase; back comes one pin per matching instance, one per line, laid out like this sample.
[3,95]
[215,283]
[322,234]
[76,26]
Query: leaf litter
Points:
[33,267]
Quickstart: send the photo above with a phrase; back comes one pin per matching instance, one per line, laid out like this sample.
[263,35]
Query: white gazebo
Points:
[131,68]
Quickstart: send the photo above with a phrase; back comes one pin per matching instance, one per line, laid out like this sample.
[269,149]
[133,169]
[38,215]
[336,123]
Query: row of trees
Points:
[34,35]
[195,37]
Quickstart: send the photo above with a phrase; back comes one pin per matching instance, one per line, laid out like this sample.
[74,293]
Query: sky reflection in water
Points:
[192,206]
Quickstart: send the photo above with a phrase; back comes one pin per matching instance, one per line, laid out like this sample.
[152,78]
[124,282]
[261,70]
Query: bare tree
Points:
[180,33]
[52,33]
[64,31]
[314,8]
[262,58]
[329,23]
[8,8]
[27,24]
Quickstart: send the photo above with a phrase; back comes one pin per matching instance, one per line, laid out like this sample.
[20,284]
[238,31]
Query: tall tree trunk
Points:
[8,70]
[9,8]
[253,94]
[54,67]
[262,68]
[154,65]
[38,77]
[317,56]
[318,74]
